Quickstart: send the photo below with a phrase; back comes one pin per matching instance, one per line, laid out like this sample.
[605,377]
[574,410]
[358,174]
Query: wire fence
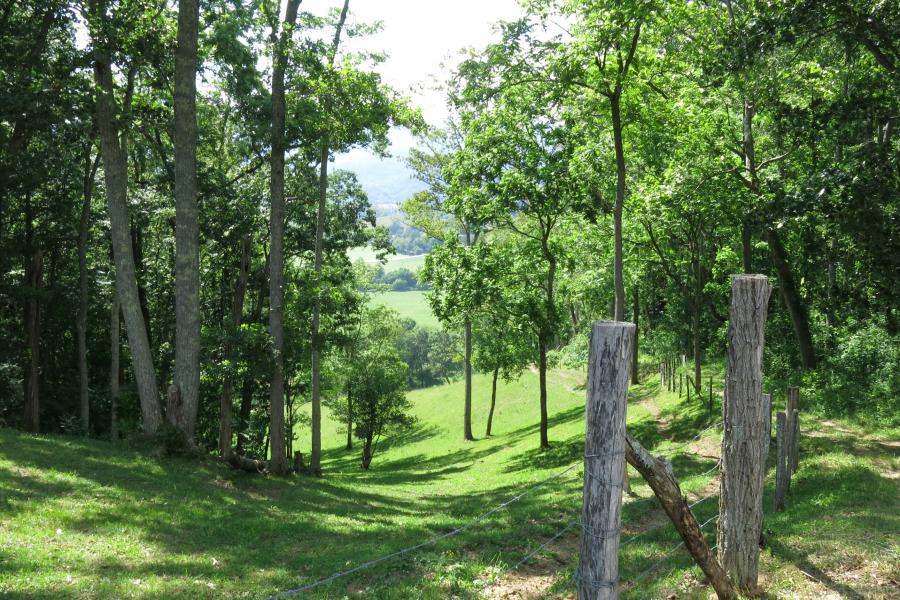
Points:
[574,524]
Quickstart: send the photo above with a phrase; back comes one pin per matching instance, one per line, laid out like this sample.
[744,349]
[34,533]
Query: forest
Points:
[177,277]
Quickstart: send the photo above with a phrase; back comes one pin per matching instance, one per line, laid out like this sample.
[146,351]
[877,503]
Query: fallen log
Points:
[242,463]
[658,474]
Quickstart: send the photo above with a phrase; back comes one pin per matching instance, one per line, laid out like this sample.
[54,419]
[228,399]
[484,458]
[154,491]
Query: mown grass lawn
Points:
[84,519]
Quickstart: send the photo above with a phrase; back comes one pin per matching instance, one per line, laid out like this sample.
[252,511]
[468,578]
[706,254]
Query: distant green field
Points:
[409,304]
[394,262]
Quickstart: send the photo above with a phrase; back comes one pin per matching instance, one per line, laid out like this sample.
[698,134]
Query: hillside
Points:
[84,519]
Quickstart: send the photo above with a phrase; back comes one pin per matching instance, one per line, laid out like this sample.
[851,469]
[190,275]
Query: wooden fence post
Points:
[781,476]
[604,459]
[794,456]
[743,469]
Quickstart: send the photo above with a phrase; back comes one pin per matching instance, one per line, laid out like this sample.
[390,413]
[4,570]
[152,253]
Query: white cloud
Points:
[422,39]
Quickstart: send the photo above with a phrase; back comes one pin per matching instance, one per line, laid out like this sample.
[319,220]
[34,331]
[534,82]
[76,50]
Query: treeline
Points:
[606,159]
[173,256]
[623,159]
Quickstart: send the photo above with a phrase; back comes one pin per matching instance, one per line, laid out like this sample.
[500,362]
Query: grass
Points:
[412,304]
[394,262]
[84,519]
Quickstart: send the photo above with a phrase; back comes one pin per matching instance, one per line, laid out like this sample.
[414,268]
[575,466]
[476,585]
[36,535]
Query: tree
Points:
[114,148]
[501,350]
[187,227]
[513,175]
[316,456]
[453,264]
[376,381]
[280,41]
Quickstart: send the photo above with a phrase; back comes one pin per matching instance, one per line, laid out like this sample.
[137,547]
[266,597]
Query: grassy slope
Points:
[82,519]
[394,262]
[412,304]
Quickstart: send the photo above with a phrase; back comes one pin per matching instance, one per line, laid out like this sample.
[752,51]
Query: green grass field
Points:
[394,262]
[412,304]
[84,519]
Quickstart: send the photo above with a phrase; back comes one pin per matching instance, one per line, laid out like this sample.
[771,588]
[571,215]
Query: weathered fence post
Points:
[743,469]
[604,459]
[793,394]
[781,476]
[794,456]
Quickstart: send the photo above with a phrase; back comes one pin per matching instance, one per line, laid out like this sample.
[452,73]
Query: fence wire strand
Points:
[429,542]
[478,519]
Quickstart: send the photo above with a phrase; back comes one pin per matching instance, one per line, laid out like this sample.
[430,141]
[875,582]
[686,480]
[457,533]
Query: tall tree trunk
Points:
[187,228]
[696,306]
[635,313]
[137,248]
[33,282]
[315,460]
[114,367]
[115,171]
[792,300]
[81,320]
[349,416]
[615,101]
[367,453]
[237,310]
[467,411]
[490,419]
[278,464]
[244,413]
[542,378]
[247,387]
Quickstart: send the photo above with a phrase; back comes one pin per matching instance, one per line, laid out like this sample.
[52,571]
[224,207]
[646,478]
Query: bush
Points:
[861,376]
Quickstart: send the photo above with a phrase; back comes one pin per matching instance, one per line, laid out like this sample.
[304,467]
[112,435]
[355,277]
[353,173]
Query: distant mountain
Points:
[387,181]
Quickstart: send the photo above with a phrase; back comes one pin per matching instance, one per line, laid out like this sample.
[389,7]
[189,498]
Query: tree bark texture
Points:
[187,227]
[115,171]
[744,441]
[237,311]
[278,463]
[604,459]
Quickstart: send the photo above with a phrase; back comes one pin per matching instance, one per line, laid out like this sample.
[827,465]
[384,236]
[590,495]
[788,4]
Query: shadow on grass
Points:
[276,533]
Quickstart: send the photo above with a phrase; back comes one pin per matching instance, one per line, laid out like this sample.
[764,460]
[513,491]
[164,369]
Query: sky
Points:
[422,39]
